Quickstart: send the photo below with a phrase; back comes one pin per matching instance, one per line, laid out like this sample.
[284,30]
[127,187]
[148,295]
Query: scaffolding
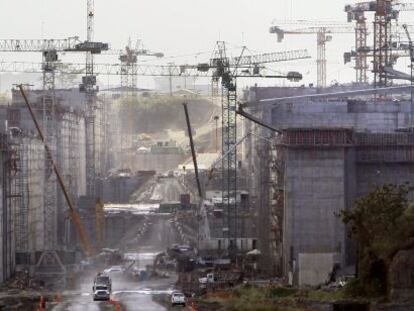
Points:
[12,195]
[35,186]
[302,137]
[385,147]
[50,190]
[73,120]
[20,154]
[99,137]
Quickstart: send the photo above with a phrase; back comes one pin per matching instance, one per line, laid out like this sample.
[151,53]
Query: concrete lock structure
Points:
[327,154]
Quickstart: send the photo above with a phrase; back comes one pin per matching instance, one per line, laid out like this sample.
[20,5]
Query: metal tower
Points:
[221,63]
[50,131]
[361,59]
[89,82]
[382,39]
[322,38]
[129,62]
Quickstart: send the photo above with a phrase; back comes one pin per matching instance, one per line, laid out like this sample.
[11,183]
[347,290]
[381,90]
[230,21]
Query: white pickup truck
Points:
[208,279]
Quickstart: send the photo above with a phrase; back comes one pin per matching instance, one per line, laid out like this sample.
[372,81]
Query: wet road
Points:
[132,295]
[163,190]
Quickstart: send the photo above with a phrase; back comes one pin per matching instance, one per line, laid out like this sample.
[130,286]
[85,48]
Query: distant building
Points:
[161,157]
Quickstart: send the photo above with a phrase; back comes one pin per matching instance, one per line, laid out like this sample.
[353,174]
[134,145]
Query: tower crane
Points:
[323,31]
[50,48]
[226,70]
[129,59]
[386,11]
[249,67]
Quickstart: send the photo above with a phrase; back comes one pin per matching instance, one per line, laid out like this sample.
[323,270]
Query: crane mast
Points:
[129,61]
[222,72]
[361,59]
[89,83]
[382,42]
[225,70]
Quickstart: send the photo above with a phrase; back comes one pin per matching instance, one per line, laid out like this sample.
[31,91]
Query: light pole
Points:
[216,118]
[411,47]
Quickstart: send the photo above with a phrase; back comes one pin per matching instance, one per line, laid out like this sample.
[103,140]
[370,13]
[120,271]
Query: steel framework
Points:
[89,83]
[129,62]
[11,167]
[382,40]
[361,60]
[200,70]
[221,62]
[386,11]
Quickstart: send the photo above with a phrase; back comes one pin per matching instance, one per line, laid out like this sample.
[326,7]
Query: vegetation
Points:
[382,224]
[263,299]
[248,298]
[151,114]
[4,98]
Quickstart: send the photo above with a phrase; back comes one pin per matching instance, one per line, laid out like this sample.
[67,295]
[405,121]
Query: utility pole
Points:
[170,84]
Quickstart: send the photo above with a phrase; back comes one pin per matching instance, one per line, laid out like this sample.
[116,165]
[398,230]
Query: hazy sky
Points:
[181,27]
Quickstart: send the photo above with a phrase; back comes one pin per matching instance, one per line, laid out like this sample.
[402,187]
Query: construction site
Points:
[209,175]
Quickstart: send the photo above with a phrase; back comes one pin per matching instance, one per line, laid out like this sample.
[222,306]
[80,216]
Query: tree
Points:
[382,224]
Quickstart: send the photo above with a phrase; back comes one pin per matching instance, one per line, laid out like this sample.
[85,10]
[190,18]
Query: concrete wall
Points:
[157,162]
[117,189]
[321,180]
[314,268]
[370,175]
[361,116]
[314,192]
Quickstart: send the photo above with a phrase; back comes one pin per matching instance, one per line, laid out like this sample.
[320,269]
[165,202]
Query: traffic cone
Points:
[42,304]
